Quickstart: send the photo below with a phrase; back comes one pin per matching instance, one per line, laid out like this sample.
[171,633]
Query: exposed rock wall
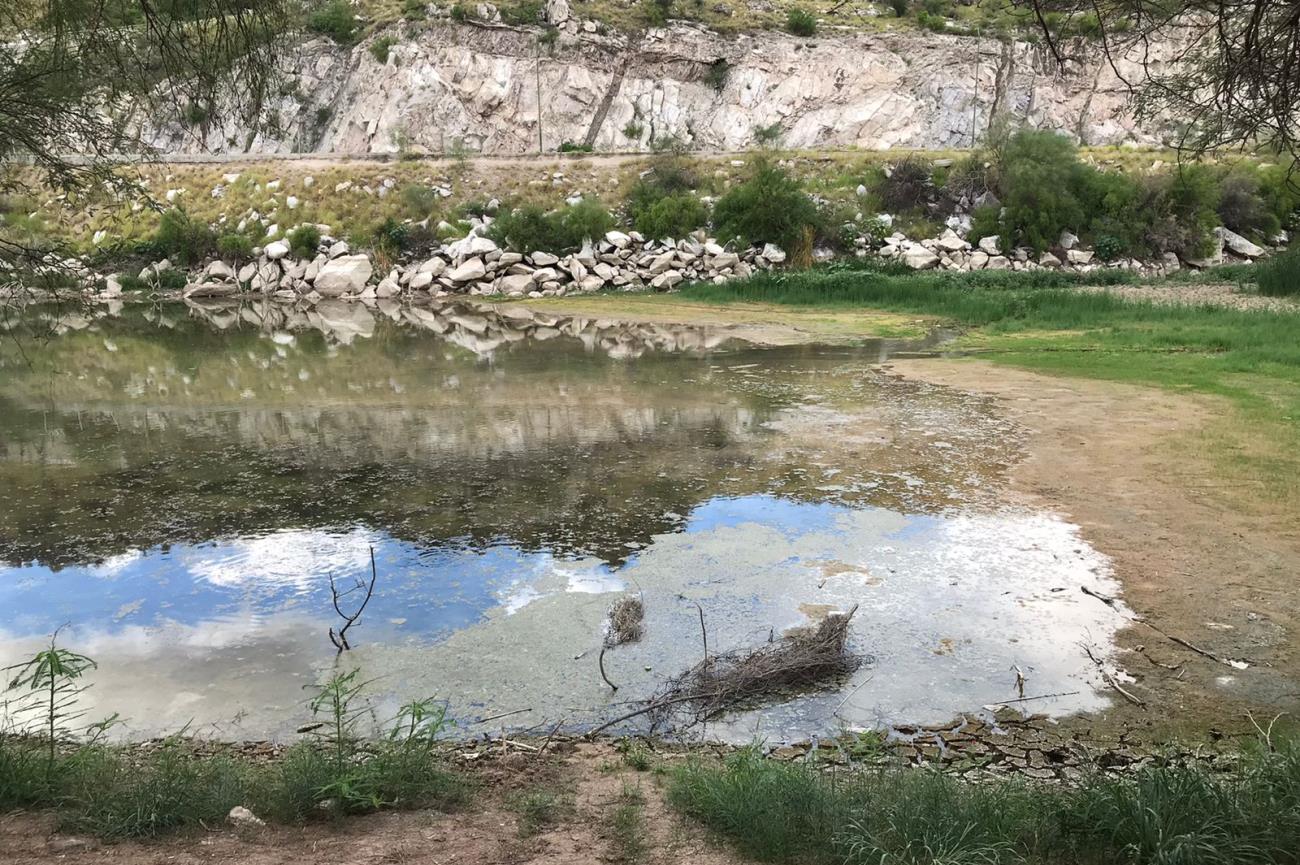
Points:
[478,87]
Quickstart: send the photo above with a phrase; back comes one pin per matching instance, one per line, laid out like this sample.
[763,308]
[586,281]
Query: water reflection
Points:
[178,486]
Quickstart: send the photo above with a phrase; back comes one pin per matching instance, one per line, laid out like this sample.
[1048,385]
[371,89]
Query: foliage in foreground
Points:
[1163,815]
[1280,275]
[50,758]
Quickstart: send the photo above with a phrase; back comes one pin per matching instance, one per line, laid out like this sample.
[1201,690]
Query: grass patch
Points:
[626,826]
[1185,814]
[539,809]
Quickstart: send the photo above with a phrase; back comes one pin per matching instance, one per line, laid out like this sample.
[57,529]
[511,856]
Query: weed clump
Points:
[531,228]
[1279,276]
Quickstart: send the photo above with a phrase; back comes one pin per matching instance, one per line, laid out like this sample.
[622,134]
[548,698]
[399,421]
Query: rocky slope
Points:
[477,87]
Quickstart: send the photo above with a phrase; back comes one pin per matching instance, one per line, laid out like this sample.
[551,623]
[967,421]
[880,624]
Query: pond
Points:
[179,485]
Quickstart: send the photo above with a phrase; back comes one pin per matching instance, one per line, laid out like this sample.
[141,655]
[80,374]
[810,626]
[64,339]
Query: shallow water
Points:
[179,485]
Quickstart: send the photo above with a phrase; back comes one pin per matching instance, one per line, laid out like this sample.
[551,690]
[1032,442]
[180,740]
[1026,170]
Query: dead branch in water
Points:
[625,618]
[340,639]
[1111,680]
[807,658]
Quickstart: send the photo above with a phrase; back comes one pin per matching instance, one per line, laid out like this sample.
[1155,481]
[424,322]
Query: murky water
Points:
[178,486]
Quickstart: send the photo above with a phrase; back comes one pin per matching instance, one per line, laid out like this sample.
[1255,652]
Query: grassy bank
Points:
[1039,321]
[1189,815]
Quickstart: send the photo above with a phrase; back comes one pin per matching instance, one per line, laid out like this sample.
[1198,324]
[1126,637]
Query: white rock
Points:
[978,259]
[230,178]
[998,262]
[518,283]
[950,242]
[1238,244]
[1068,241]
[343,275]
[1079,256]
[990,244]
[99,237]
[422,279]
[471,270]
[1049,260]
[276,250]
[338,248]
[291,202]
[544,259]
[773,253]
[920,258]
[219,270]
[618,239]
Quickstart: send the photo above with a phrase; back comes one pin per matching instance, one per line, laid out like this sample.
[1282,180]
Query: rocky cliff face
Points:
[484,88]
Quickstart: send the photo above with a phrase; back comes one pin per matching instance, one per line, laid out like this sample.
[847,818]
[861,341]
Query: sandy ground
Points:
[1201,557]
[589,777]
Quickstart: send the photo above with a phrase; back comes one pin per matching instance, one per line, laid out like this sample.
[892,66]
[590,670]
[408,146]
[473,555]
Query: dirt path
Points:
[589,781]
[1198,554]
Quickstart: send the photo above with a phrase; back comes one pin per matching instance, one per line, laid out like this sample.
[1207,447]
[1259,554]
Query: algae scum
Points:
[178,485]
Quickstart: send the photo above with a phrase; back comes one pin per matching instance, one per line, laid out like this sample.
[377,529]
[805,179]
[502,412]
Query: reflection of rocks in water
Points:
[481,329]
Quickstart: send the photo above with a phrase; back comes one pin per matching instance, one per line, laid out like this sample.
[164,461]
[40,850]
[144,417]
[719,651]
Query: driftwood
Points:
[625,618]
[808,658]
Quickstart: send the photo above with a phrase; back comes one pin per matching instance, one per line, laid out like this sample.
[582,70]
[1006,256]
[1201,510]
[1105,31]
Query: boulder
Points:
[470,271]
[518,283]
[346,274]
[1067,241]
[920,258]
[990,244]
[1049,260]
[219,270]
[1080,256]
[773,253]
[276,250]
[998,262]
[949,241]
[1238,244]
[544,259]
[421,280]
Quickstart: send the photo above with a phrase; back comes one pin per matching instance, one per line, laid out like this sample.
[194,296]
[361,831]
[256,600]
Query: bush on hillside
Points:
[531,228]
[334,19]
[801,23]
[390,237]
[183,240]
[1039,175]
[235,247]
[304,241]
[768,207]
[906,186]
[675,215]
[1243,208]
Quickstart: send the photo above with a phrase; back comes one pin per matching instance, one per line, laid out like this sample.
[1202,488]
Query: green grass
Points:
[539,809]
[115,793]
[626,826]
[1162,815]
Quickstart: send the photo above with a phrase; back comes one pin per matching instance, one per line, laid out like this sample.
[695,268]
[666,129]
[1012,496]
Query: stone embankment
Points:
[477,265]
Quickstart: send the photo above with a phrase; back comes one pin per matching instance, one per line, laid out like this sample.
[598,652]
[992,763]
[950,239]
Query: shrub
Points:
[420,200]
[390,236]
[414,10]
[304,241]
[899,7]
[235,247]
[460,12]
[1039,174]
[574,147]
[381,46]
[1108,247]
[183,240]
[531,228]
[656,12]
[1178,211]
[1279,276]
[526,12]
[633,130]
[906,186]
[801,22]
[675,215]
[767,136]
[336,20]
[717,73]
[986,222]
[1242,206]
[769,206]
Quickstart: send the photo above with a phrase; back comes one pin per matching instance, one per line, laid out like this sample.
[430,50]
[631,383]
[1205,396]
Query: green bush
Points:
[336,20]
[986,222]
[675,215]
[380,47]
[460,13]
[1243,208]
[768,136]
[899,7]
[768,207]
[182,240]
[420,200]
[235,247]
[574,147]
[1039,176]
[717,74]
[414,10]
[526,12]
[801,22]
[390,236]
[304,241]
[1279,276]
[656,12]
[531,228]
